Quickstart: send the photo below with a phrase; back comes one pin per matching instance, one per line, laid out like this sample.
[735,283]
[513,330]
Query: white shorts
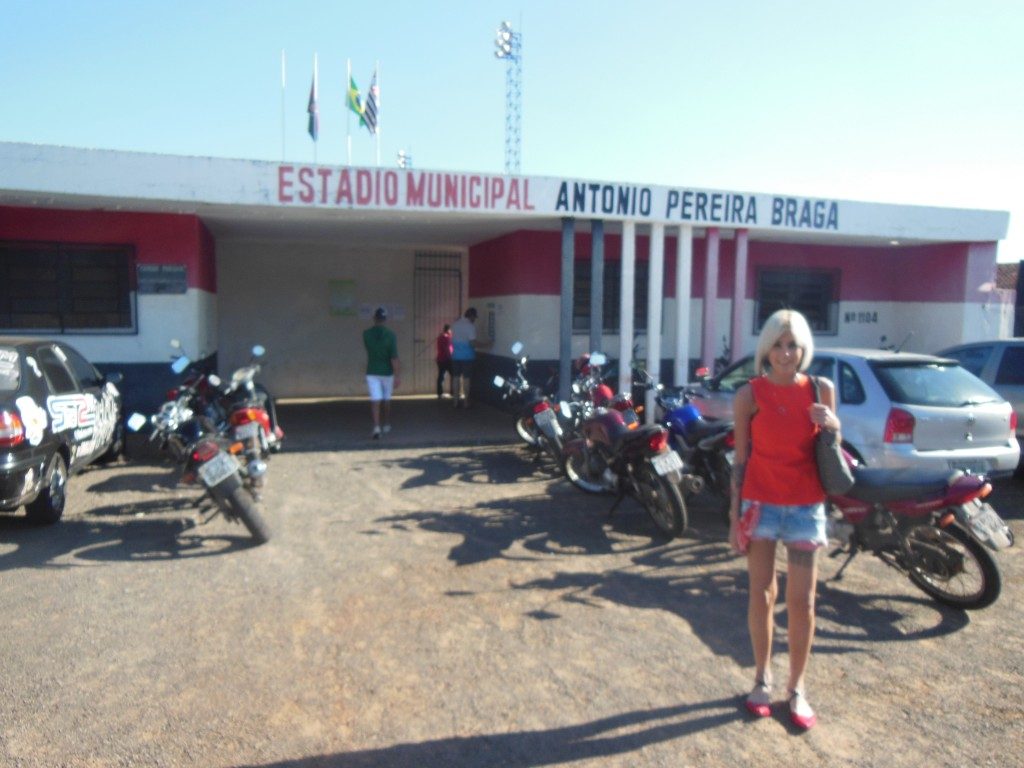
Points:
[380,387]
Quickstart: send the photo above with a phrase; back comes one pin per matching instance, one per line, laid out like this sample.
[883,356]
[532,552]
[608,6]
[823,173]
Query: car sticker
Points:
[31,362]
[33,417]
[8,355]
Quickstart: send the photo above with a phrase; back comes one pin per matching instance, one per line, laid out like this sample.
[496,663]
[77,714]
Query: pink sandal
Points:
[800,712]
[759,702]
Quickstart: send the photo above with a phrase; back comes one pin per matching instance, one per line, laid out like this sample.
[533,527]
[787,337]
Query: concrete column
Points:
[596,285]
[626,289]
[565,332]
[655,298]
[684,272]
[708,329]
[739,294]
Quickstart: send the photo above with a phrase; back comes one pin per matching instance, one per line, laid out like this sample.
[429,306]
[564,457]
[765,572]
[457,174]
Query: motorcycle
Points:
[616,454]
[537,422]
[187,427]
[937,530]
[706,447]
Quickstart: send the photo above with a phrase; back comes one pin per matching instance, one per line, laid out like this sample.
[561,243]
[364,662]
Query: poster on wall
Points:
[342,297]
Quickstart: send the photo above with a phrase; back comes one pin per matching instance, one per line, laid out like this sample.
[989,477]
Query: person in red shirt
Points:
[776,488]
[444,361]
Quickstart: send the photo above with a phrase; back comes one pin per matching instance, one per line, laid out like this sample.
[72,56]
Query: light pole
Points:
[509,46]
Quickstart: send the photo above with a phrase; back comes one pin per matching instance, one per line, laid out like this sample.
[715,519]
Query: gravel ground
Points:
[460,606]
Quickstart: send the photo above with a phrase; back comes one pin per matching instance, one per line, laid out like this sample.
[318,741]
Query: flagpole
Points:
[378,99]
[348,112]
[316,89]
[283,131]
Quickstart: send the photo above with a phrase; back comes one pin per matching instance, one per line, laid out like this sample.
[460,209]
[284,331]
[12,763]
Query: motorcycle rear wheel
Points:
[952,568]
[662,500]
[720,483]
[243,506]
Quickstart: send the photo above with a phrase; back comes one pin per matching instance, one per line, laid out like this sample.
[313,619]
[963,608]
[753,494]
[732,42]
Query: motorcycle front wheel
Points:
[527,430]
[662,500]
[581,467]
[243,506]
[951,567]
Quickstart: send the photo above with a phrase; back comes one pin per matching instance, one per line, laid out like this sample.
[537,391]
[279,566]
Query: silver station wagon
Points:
[899,410]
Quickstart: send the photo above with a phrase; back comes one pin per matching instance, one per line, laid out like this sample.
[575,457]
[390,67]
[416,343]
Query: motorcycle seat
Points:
[701,429]
[882,485]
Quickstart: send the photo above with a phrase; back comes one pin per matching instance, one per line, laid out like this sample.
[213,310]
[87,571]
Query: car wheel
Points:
[49,504]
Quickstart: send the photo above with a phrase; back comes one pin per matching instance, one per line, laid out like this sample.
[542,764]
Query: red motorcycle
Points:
[937,530]
[616,454]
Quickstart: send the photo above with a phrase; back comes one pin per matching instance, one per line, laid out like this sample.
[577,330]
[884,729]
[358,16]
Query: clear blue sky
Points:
[911,102]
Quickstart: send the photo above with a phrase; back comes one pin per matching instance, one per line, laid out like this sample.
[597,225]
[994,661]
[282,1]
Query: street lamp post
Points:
[509,46]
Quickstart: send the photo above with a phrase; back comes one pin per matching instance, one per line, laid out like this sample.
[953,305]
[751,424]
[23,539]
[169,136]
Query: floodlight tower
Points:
[509,45]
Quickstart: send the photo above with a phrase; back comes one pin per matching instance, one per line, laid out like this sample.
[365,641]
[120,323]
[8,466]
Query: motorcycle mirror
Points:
[176,344]
[597,358]
[517,347]
[180,364]
[499,381]
[259,350]
[214,379]
[136,422]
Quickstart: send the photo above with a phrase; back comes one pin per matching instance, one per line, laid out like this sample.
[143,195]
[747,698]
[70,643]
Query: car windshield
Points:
[10,370]
[937,384]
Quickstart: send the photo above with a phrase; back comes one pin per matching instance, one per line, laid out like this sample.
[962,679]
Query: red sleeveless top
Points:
[782,468]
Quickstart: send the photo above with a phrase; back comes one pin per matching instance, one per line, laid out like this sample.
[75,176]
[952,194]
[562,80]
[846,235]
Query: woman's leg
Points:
[801,582]
[763,592]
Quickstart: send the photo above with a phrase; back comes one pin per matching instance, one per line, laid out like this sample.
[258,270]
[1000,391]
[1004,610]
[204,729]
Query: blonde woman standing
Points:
[776,491]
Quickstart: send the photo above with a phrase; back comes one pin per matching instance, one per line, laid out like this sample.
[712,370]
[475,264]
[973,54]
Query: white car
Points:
[899,410]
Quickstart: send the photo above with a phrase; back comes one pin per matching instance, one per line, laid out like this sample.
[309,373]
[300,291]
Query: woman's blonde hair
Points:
[775,326]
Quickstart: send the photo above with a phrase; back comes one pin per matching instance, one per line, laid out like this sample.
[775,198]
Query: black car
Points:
[57,414]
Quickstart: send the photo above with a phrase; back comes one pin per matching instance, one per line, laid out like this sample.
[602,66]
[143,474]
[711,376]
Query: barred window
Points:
[612,283]
[813,293]
[64,288]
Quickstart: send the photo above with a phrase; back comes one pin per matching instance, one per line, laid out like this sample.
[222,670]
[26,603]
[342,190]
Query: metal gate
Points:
[437,299]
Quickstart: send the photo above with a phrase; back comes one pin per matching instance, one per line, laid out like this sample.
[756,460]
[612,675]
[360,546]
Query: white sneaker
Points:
[376,433]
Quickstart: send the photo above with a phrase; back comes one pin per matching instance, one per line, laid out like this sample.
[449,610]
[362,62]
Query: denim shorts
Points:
[802,525]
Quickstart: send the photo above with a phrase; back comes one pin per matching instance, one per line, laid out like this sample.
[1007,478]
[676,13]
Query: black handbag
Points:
[833,471]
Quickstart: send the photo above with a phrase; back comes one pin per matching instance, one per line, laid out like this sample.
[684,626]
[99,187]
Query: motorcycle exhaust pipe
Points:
[693,483]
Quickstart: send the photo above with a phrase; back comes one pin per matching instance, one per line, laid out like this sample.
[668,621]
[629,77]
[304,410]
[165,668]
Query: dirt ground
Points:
[461,606]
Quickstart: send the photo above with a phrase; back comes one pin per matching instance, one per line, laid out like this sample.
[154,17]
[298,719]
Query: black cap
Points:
[381,313]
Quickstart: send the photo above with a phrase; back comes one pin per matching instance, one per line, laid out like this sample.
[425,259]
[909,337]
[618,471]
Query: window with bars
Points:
[65,288]
[612,283]
[813,293]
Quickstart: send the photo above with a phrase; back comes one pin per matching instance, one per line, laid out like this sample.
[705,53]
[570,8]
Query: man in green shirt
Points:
[382,370]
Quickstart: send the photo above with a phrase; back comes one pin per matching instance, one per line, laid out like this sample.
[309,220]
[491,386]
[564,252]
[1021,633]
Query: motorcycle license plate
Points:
[218,469]
[988,526]
[246,431]
[544,418]
[667,462]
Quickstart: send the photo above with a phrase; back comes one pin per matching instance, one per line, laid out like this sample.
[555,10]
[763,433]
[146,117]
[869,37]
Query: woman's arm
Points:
[743,410]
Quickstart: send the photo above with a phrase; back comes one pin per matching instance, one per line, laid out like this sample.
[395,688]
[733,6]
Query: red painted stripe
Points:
[158,238]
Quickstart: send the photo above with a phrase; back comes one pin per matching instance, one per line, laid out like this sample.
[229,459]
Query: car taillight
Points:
[658,441]
[899,427]
[1013,422]
[12,431]
[541,406]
